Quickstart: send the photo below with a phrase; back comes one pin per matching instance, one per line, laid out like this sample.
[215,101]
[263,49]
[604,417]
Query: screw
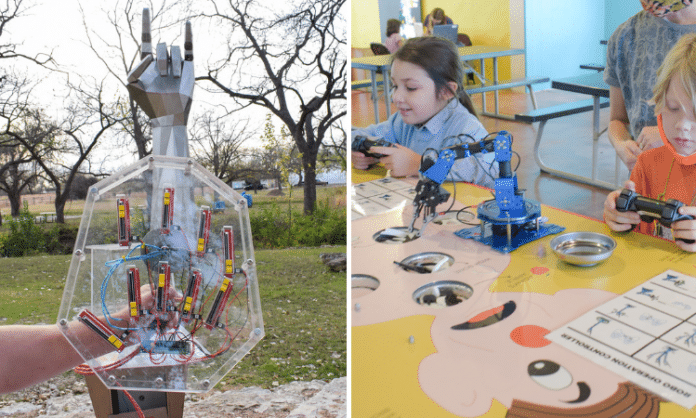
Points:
[411,339]
[357,307]
[78,252]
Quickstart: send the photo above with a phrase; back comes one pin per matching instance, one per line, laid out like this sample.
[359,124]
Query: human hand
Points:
[402,161]
[628,151]
[648,138]
[163,86]
[685,230]
[362,161]
[619,221]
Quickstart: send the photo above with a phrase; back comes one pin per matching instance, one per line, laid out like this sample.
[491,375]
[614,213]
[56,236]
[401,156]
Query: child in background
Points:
[436,17]
[668,172]
[433,112]
[394,39]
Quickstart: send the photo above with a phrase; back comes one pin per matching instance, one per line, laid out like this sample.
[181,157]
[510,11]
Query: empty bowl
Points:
[583,248]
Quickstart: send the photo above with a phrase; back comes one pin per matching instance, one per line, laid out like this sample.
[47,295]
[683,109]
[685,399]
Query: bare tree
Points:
[17,172]
[61,149]
[334,155]
[217,145]
[300,56]
[9,12]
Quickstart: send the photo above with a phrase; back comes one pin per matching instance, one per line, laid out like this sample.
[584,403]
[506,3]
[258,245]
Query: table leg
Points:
[595,134]
[483,95]
[564,174]
[495,81]
[387,89]
[375,96]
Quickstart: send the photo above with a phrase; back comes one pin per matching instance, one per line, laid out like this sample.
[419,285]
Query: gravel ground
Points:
[66,397]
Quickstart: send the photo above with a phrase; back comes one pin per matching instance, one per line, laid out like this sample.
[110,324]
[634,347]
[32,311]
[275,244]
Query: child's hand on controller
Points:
[619,221]
[684,232]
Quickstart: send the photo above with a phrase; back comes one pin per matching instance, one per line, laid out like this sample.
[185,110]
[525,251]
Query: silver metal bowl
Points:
[583,248]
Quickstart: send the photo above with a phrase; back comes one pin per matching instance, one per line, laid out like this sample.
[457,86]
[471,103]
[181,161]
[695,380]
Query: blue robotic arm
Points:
[429,192]
[505,216]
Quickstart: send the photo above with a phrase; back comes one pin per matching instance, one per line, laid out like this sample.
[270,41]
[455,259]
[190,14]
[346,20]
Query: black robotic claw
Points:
[649,209]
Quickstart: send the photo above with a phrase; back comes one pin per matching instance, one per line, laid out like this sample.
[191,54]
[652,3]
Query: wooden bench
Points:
[566,109]
[360,84]
[502,85]
[483,88]
[596,67]
[45,217]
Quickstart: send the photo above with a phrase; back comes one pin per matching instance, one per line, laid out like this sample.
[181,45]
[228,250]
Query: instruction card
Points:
[378,196]
[647,335]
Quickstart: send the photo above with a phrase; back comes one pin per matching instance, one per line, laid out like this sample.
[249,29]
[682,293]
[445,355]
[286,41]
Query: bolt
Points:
[159,381]
[94,190]
[206,383]
[357,307]
[63,322]
[152,159]
[257,331]
[112,379]
[250,262]
[78,252]
[411,339]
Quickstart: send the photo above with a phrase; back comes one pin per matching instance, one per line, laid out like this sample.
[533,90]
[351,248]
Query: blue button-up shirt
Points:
[452,125]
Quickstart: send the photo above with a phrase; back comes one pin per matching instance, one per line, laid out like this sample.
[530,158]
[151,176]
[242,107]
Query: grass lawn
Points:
[303,303]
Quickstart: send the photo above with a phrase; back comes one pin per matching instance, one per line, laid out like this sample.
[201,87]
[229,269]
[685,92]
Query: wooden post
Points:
[108,403]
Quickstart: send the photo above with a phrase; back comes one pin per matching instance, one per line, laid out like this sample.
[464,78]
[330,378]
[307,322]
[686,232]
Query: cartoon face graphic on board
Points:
[490,345]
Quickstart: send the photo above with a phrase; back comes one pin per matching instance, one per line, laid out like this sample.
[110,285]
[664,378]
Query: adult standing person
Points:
[634,53]
[436,17]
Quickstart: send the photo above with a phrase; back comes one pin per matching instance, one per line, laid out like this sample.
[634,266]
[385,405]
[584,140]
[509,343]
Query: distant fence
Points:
[31,199]
[38,203]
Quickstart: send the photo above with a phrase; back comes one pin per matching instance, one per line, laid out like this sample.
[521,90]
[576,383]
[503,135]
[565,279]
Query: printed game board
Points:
[647,335]
[378,196]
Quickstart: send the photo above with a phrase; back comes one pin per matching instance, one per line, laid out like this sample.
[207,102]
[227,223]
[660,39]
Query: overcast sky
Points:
[57,26]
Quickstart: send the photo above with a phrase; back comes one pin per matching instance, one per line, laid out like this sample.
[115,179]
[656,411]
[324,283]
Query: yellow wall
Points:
[487,22]
[364,17]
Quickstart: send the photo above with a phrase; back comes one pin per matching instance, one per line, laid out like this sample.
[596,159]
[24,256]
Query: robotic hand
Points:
[163,88]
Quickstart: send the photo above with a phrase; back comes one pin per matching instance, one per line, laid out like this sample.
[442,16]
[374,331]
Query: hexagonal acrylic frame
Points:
[168,347]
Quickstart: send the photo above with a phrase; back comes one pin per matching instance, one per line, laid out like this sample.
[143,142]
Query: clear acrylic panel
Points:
[165,222]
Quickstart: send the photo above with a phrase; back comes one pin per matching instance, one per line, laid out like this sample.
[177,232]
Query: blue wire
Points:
[114,264]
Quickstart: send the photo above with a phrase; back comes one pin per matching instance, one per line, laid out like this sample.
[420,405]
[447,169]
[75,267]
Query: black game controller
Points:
[363,144]
[649,210]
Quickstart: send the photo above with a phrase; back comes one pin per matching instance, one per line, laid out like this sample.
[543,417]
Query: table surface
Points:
[465,52]
[592,84]
[407,361]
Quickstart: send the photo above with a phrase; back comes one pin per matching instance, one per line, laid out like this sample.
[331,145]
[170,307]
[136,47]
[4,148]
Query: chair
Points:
[379,49]
[464,39]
